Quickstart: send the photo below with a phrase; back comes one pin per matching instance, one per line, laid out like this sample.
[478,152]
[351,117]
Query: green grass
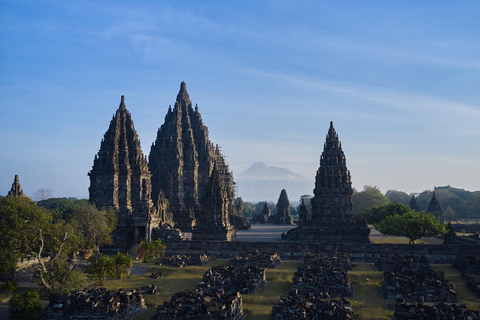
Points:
[259,306]
[403,240]
[368,302]
[465,295]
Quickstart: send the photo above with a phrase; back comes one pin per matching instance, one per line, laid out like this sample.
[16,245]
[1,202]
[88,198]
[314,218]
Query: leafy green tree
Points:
[95,225]
[378,213]
[369,197]
[449,215]
[9,286]
[398,196]
[411,224]
[61,208]
[100,266]
[151,250]
[20,220]
[25,306]
[122,265]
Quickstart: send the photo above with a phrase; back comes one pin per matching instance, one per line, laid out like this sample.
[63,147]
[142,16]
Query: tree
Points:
[25,306]
[398,196]
[449,215]
[369,197]
[151,250]
[100,266]
[378,213]
[413,225]
[20,220]
[42,194]
[122,265]
[61,208]
[95,225]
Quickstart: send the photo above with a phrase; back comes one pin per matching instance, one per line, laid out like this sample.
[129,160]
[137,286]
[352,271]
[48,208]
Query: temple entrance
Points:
[140,234]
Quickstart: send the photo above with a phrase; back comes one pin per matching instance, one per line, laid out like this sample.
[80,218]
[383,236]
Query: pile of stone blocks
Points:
[390,262]
[439,311]
[201,304]
[97,304]
[259,259]
[320,277]
[472,283]
[467,264]
[181,260]
[296,307]
[150,290]
[412,279]
[243,279]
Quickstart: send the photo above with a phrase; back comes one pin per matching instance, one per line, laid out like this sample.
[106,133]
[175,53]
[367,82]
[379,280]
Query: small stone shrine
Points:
[283,215]
[264,216]
[16,190]
[439,311]
[181,260]
[300,308]
[213,223]
[467,264]
[256,258]
[332,218]
[435,208]
[246,280]
[414,205]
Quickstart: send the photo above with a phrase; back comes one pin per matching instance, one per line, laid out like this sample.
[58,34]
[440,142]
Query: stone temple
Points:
[186,182]
[332,218]
[181,161]
[120,178]
[16,190]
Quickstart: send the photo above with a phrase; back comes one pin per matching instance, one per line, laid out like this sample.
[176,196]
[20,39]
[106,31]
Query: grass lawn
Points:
[403,240]
[465,295]
[259,306]
[368,302]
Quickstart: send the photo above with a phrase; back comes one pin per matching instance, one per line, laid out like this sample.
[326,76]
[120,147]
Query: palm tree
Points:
[122,264]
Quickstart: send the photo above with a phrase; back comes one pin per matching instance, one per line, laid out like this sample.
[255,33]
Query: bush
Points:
[25,306]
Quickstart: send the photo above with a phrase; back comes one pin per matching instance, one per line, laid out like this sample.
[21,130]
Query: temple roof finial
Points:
[122,101]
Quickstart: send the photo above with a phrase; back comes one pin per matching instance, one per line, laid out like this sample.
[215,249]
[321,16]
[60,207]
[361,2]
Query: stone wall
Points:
[368,252]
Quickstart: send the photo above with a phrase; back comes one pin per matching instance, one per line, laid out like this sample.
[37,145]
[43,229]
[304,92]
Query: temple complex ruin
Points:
[16,190]
[332,217]
[283,215]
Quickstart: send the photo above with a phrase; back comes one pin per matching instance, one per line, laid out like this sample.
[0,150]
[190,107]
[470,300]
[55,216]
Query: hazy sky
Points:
[400,79]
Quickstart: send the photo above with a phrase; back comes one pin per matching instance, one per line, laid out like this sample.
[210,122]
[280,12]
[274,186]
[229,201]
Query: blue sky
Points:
[400,80]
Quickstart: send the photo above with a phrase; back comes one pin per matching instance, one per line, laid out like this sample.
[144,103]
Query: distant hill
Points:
[261,171]
[262,182]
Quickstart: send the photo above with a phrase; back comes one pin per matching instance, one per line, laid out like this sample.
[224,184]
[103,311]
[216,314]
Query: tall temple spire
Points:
[16,190]
[414,205]
[435,208]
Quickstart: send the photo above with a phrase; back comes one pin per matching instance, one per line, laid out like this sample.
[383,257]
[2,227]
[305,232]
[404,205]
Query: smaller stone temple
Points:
[435,208]
[283,215]
[263,217]
[16,190]
[414,205]
[332,217]
[213,222]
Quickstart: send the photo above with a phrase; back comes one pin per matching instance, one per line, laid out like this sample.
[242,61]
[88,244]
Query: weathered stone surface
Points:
[283,215]
[451,236]
[439,311]
[332,217]
[238,219]
[97,304]
[472,283]
[120,178]
[181,161]
[213,223]
[316,308]
[256,258]
[16,190]
[201,304]
[392,262]
[467,264]
[249,279]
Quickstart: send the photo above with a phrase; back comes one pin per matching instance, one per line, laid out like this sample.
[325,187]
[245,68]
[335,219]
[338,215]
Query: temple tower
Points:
[332,218]
[333,186]
[414,205]
[181,161]
[435,208]
[16,190]
[213,223]
[283,215]
[120,178]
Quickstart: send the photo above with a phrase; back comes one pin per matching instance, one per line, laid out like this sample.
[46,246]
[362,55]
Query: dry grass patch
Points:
[259,306]
[368,302]
[403,240]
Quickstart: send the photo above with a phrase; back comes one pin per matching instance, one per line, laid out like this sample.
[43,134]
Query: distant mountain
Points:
[261,171]
[261,182]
